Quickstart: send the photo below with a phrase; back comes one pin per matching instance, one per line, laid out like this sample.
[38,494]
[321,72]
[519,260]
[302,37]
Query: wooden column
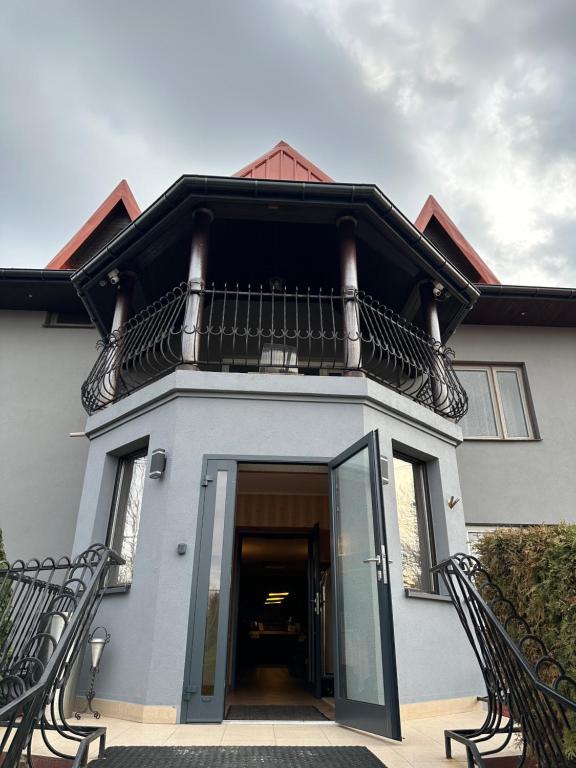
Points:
[122,311]
[349,286]
[196,284]
[430,309]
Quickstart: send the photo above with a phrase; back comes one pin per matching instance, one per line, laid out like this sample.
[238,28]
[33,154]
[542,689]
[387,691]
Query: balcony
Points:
[274,332]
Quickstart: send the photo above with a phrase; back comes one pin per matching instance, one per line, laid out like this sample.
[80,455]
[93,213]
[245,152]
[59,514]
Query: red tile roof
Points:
[433,209]
[283,163]
[121,194]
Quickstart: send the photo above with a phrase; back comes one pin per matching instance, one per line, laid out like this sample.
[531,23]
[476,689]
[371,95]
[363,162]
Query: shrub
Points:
[535,568]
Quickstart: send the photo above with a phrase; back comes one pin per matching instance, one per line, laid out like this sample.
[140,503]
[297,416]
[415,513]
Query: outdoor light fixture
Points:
[278,594]
[278,358]
[96,644]
[157,464]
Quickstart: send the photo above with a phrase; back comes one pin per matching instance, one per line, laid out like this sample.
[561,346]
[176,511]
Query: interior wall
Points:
[274,511]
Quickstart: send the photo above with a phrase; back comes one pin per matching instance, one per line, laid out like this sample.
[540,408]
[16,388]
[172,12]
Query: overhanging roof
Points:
[38,290]
[524,305]
[257,196]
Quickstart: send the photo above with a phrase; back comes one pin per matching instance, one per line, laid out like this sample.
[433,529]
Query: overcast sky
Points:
[470,100]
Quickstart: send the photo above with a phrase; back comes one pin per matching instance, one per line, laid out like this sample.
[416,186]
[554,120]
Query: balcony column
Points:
[430,310]
[349,285]
[196,284]
[122,311]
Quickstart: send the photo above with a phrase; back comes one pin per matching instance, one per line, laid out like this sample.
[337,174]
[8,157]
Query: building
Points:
[279,440]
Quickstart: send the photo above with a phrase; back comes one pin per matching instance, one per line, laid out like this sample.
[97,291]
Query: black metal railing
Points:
[254,330]
[530,696]
[46,608]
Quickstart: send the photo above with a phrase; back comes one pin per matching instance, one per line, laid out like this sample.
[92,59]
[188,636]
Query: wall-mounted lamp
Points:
[157,464]
[452,501]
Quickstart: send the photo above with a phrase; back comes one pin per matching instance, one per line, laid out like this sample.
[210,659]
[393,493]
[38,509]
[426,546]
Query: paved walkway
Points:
[422,747]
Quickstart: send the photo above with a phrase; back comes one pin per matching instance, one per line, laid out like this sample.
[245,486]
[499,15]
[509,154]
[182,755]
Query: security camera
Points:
[437,290]
[114,276]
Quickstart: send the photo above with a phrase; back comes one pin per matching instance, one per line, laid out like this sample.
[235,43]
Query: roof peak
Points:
[120,194]
[433,210]
[283,163]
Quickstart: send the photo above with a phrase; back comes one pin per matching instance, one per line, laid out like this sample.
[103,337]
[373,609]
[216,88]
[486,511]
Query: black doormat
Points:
[237,757]
[273,712]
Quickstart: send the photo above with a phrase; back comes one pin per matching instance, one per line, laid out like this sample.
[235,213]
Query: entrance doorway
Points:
[242,501]
[280,638]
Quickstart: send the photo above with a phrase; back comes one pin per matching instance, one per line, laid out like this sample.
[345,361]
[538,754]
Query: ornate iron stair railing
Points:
[530,696]
[277,331]
[46,609]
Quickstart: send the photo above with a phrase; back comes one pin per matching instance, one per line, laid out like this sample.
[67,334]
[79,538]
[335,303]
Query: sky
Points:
[472,101]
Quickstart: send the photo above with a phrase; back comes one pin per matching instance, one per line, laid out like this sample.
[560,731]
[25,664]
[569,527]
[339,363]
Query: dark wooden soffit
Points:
[119,209]
[38,290]
[524,306]
[432,213]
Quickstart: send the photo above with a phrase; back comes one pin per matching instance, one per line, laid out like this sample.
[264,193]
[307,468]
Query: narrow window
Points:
[125,517]
[497,403]
[414,523]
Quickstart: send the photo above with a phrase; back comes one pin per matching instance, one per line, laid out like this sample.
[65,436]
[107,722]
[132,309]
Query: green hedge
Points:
[535,568]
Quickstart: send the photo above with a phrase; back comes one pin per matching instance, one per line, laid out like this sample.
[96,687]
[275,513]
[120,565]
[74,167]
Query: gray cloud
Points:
[470,101]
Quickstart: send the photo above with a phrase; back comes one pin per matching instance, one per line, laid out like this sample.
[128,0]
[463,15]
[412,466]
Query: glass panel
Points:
[127,508]
[213,608]
[480,421]
[361,675]
[512,405]
[413,525]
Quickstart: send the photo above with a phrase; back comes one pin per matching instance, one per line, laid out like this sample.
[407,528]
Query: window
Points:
[125,517]
[497,403]
[68,320]
[474,533]
[414,523]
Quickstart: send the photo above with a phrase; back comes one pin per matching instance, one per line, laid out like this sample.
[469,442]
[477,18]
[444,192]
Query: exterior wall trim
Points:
[353,391]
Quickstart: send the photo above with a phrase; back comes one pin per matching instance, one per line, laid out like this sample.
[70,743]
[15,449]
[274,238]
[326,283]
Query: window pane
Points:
[480,421]
[412,521]
[509,386]
[213,609]
[360,641]
[127,507]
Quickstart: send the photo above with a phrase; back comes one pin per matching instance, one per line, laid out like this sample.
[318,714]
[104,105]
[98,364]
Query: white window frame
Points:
[491,369]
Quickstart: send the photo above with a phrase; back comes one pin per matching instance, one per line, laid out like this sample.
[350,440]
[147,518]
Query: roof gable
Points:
[283,163]
[119,209]
[434,222]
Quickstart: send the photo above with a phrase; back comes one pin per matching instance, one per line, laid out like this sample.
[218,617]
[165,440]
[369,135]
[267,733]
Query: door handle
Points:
[376,560]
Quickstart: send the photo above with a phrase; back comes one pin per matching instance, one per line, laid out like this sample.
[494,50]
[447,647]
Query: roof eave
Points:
[218,187]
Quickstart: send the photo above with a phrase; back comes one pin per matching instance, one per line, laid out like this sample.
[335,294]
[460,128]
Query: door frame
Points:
[305,534]
[238,459]
[198,577]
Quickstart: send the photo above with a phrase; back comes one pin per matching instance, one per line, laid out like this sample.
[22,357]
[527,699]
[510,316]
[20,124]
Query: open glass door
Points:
[366,691]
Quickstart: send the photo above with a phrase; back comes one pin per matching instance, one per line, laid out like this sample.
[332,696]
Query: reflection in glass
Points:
[126,507]
[361,674]
[512,405]
[213,608]
[412,522]
[480,421]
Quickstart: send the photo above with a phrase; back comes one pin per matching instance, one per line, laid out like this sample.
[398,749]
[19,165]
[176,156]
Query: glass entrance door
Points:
[205,675]
[366,692]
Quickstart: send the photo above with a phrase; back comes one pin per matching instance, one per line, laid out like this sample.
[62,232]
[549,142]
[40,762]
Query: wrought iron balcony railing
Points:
[280,332]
